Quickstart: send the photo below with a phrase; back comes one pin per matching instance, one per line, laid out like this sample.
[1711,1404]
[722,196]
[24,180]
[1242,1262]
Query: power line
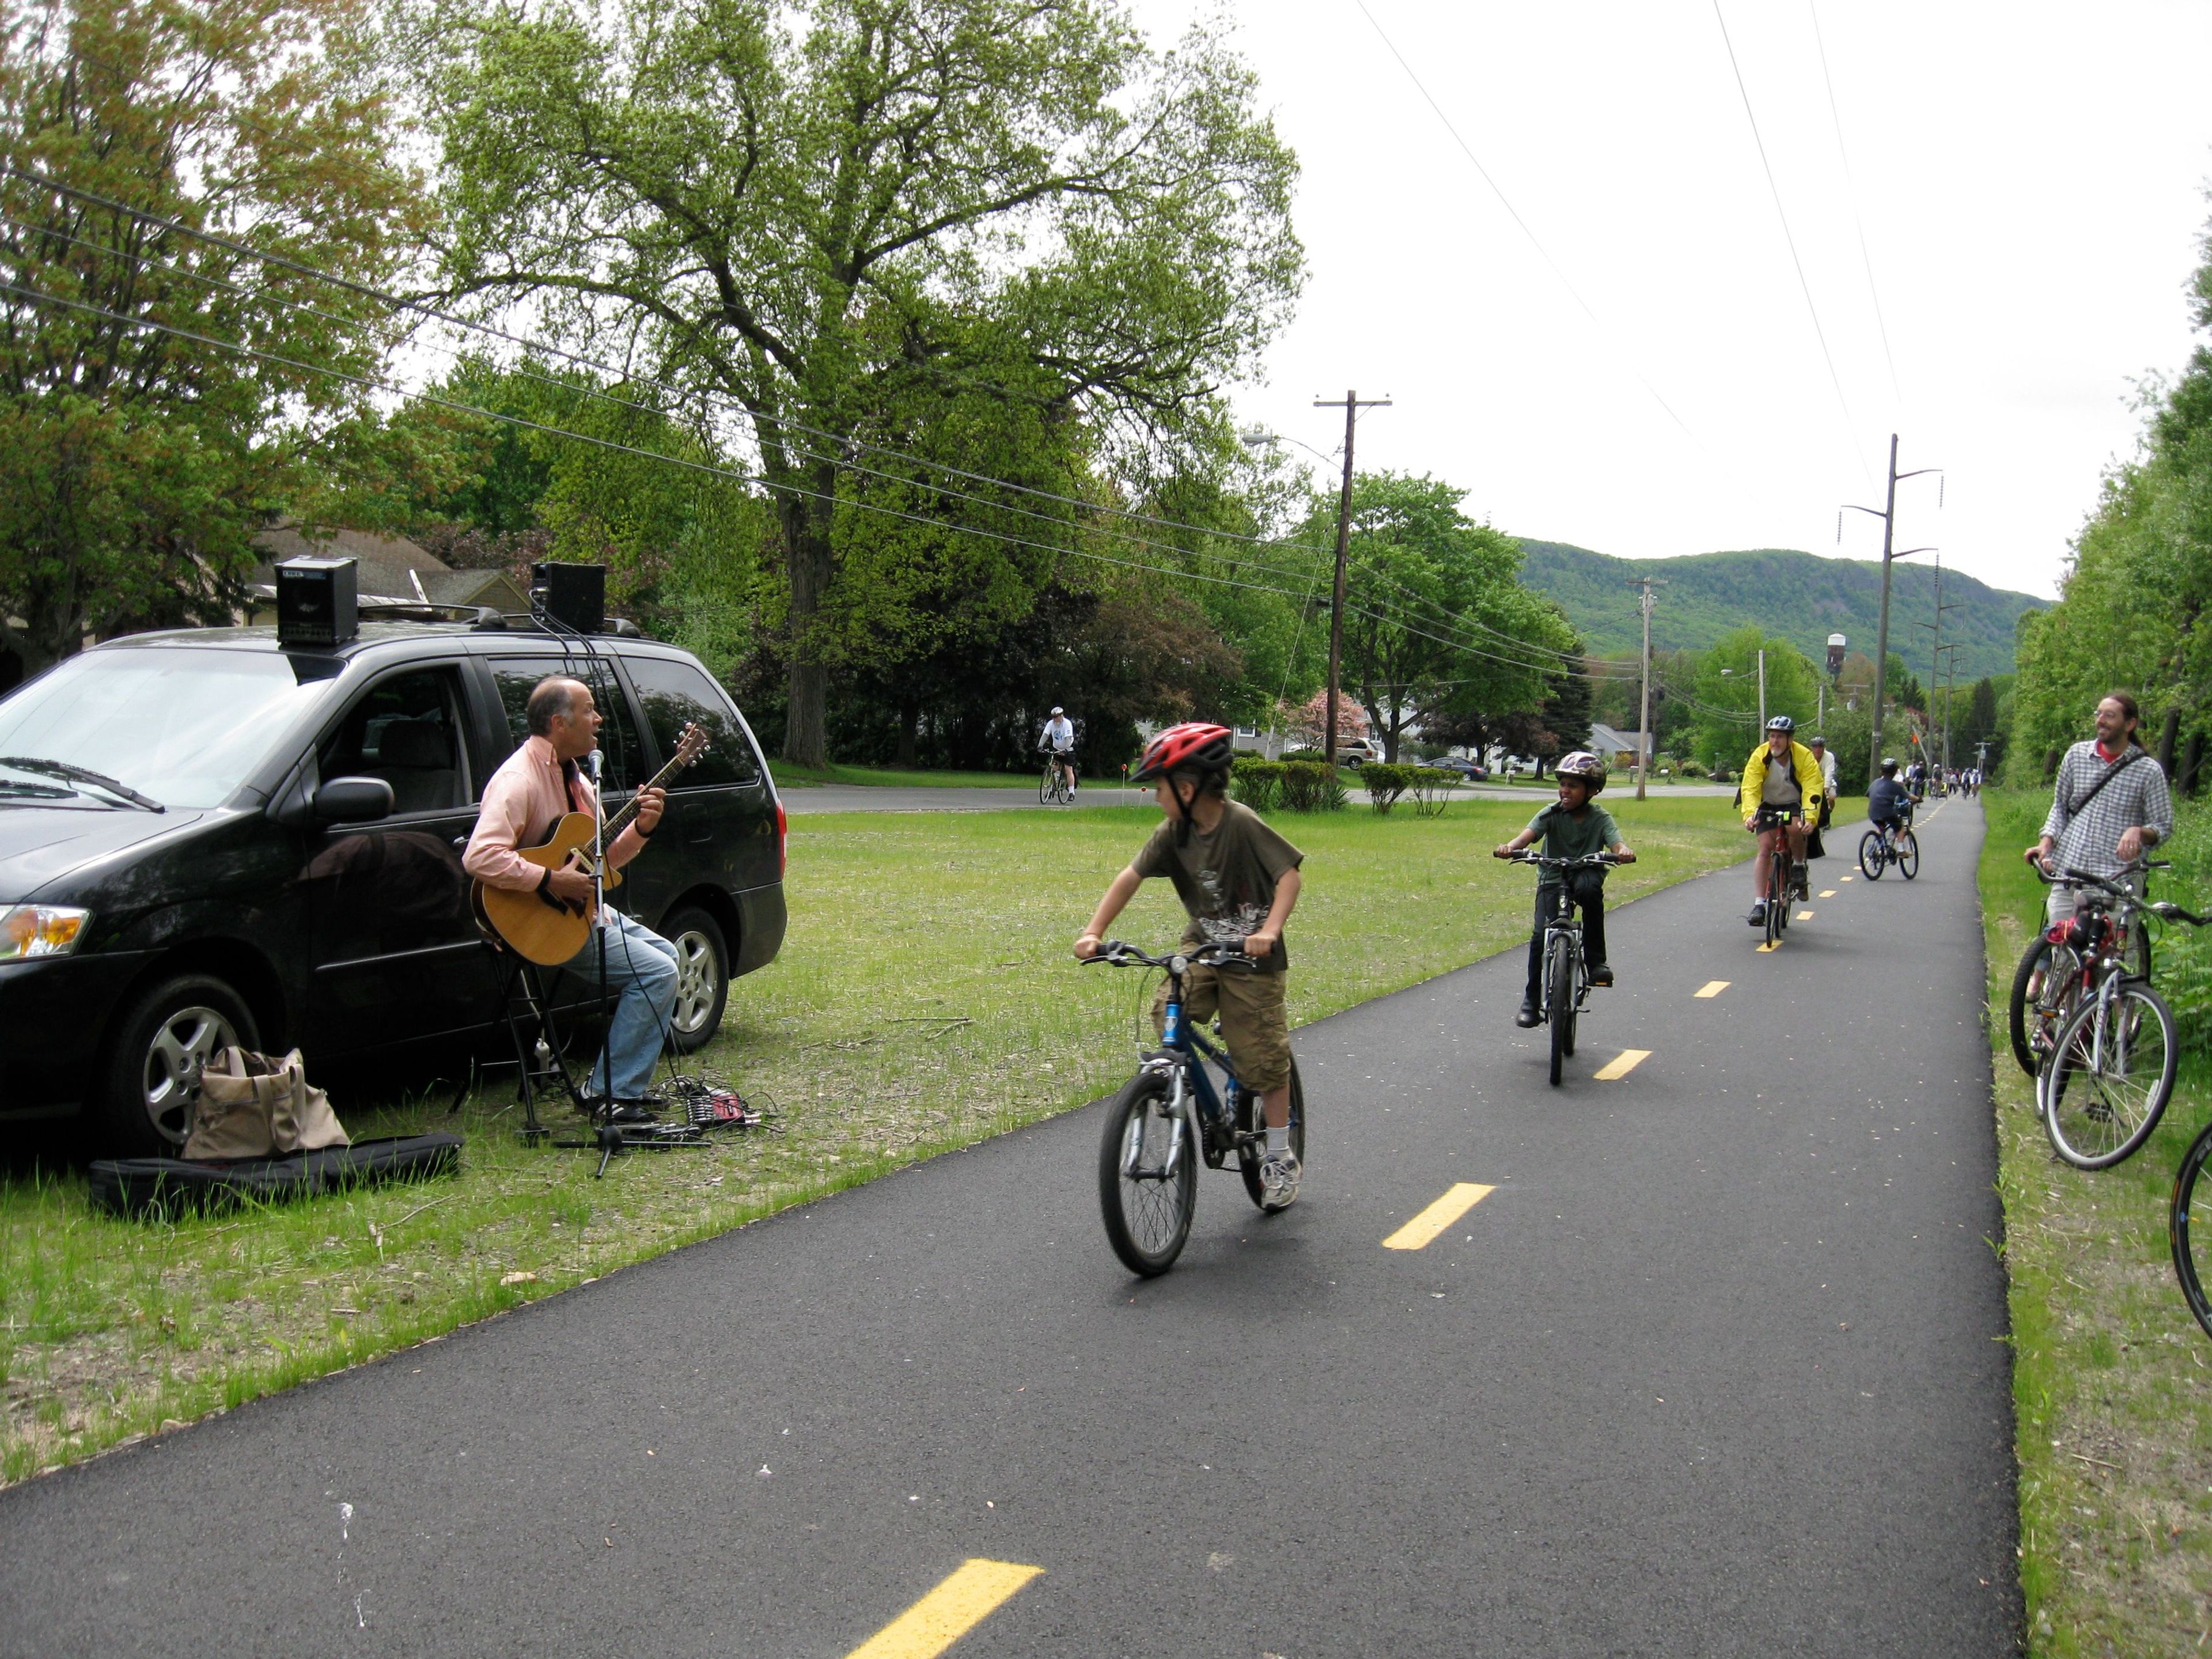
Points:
[733,474]
[1835,379]
[1550,659]
[1836,116]
[1514,213]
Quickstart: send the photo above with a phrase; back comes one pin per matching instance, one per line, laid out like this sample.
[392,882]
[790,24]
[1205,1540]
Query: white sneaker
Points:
[1279,1179]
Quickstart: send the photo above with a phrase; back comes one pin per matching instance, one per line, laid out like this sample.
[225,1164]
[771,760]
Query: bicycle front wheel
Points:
[1045,786]
[1249,1151]
[1778,899]
[1559,981]
[1870,859]
[1908,853]
[1147,1176]
[2189,1227]
[2111,1076]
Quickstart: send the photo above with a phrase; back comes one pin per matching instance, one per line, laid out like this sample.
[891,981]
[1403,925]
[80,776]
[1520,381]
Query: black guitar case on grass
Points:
[163,1188]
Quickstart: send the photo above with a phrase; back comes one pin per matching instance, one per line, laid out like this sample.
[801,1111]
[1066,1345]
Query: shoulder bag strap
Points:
[2111,772]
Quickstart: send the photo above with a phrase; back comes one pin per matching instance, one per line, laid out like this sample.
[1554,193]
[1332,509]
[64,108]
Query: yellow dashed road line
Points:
[1804,915]
[1830,892]
[973,1591]
[1622,1064]
[1423,1227]
[1711,988]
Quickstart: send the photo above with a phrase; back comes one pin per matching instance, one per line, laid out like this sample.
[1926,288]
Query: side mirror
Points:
[354,801]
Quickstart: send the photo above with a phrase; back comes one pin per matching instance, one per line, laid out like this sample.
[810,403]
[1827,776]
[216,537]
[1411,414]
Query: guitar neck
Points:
[620,822]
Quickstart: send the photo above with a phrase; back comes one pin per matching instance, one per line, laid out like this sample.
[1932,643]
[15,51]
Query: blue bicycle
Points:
[1168,1116]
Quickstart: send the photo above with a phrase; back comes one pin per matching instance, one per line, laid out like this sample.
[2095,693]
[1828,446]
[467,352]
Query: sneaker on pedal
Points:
[1759,913]
[1600,973]
[1527,1017]
[1279,1178]
[1800,881]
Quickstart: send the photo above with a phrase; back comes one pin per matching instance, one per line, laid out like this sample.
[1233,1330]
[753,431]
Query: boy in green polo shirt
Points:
[1573,827]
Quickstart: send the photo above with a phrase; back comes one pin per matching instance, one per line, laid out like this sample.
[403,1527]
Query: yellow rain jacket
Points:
[1802,766]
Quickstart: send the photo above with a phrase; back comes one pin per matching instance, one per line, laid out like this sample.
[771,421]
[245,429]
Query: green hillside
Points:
[1799,595]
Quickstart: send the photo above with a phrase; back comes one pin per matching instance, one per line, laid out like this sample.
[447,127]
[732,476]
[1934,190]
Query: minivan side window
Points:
[517,676]
[406,729]
[675,693]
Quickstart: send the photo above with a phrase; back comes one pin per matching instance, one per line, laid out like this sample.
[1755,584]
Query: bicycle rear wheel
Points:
[1908,853]
[1560,993]
[1777,900]
[1145,1201]
[1870,859]
[2111,1077]
[2189,1227]
[2043,988]
[1250,1118]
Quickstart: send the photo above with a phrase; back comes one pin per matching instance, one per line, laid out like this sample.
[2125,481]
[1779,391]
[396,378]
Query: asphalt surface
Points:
[1717,1368]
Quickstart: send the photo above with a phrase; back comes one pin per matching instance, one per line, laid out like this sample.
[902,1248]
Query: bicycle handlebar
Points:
[1114,953]
[1589,861]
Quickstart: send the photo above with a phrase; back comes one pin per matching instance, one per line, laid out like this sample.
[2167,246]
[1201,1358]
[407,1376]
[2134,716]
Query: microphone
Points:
[593,759]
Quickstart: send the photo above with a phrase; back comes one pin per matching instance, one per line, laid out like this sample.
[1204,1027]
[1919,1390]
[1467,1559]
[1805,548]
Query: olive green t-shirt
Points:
[1226,880]
[1573,835]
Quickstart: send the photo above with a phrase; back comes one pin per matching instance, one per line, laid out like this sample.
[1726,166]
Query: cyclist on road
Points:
[1781,778]
[1889,808]
[1238,880]
[1571,828]
[1059,737]
[2109,806]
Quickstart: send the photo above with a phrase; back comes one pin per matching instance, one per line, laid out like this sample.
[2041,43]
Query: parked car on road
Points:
[1467,768]
[208,838]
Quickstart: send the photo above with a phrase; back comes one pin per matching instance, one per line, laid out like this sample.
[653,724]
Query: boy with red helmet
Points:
[1238,880]
[1571,828]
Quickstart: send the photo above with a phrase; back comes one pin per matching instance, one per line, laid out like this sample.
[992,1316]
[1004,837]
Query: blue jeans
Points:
[642,967]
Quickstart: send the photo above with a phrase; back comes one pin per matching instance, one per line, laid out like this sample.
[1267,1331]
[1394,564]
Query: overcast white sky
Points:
[2031,178]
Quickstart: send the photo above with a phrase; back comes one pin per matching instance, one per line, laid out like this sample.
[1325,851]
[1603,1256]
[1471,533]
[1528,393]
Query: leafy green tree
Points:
[788,209]
[1435,614]
[1728,688]
[136,466]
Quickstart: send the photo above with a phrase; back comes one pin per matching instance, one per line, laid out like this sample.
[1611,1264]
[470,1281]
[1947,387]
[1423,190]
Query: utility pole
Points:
[1351,406]
[1644,718]
[1762,693]
[1888,517]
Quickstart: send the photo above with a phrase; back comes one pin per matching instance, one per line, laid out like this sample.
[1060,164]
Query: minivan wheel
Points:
[703,978]
[153,1074]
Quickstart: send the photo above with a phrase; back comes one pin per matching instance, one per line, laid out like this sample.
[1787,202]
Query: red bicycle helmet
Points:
[1192,746]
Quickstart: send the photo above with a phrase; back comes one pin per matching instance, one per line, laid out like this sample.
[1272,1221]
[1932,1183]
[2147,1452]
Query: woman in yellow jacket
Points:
[1784,780]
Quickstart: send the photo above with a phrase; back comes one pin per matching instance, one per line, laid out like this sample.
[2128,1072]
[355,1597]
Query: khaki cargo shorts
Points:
[1253,1021]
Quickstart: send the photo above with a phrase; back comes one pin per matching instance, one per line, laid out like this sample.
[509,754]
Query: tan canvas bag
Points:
[251,1106]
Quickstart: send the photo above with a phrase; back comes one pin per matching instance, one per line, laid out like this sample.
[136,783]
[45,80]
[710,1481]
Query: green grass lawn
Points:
[926,998]
[2111,1377]
[789,776]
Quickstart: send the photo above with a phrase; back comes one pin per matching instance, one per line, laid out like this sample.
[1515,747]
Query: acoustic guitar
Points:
[548,930]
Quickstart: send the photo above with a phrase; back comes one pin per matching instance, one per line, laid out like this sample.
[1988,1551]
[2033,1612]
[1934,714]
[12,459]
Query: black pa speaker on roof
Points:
[575,596]
[317,602]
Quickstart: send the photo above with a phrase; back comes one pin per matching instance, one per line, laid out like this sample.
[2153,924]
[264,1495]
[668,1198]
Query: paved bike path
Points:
[1716,1368]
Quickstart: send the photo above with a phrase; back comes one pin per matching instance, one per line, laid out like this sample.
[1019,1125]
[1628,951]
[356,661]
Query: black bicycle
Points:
[1782,886]
[1148,1175]
[1890,843]
[2051,978]
[1564,983]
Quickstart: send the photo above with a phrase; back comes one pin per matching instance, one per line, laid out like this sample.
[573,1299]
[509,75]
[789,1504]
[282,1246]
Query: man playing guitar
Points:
[535,786]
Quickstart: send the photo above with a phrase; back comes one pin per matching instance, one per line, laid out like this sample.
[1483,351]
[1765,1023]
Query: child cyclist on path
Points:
[1571,828]
[1238,880]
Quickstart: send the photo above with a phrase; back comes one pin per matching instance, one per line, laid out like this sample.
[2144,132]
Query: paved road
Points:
[1716,1368]
[881,797]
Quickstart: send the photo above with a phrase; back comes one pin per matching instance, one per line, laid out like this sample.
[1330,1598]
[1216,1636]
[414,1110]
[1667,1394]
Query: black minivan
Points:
[177,874]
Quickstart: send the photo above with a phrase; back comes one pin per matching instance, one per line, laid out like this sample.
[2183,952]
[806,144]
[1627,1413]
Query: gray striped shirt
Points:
[2088,836]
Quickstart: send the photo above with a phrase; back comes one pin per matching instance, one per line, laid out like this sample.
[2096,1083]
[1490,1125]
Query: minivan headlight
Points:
[40,930]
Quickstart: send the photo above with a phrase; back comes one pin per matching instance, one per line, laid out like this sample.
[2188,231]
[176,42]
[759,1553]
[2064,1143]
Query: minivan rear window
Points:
[675,694]
[185,724]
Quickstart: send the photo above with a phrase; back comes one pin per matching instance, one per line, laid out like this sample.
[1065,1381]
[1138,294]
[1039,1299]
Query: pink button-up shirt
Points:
[526,798]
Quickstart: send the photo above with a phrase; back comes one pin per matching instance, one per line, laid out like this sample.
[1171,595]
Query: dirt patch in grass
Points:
[925,999]
[2111,1377]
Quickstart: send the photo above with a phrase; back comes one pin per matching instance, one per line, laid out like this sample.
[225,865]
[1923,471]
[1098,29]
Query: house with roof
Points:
[1619,747]
[387,568]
